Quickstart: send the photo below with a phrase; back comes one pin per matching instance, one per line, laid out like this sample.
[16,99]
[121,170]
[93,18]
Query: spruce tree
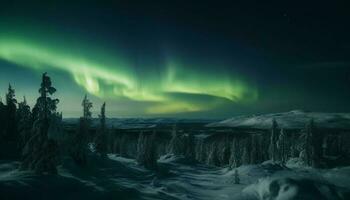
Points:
[313,145]
[273,151]
[246,152]
[2,119]
[190,149]
[41,152]
[79,147]
[25,122]
[11,107]
[235,159]
[308,143]
[146,151]
[282,147]
[176,145]
[101,139]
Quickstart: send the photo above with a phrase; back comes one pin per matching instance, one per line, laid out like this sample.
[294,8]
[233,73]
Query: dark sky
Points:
[207,59]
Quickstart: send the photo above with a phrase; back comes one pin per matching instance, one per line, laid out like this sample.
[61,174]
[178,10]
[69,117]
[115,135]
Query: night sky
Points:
[188,59]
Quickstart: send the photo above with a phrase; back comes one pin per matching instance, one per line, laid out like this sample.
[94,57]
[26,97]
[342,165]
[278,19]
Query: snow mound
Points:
[294,189]
[295,119]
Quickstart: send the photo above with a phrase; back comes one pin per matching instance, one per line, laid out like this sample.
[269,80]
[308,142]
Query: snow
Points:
[290,120]
[122,178]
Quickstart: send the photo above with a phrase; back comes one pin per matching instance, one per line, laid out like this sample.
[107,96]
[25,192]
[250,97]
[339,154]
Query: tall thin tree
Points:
[79,147]
[101,139]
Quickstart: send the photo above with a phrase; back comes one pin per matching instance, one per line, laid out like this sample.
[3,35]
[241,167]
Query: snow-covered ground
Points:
[121,178]
[294,119]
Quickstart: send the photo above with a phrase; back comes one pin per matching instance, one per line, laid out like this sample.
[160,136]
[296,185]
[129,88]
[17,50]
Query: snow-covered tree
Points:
[246,152]
[273,151]
[190,149]
[2,118]
[213,154]
[87,105]
[235,159]
[101,138]
[79,147]
[308,143]
[41,153]
[254,153]
[282,147]
[39,150]
[11,107]
[177,143]
[313,145]
[146,151]
[25,122]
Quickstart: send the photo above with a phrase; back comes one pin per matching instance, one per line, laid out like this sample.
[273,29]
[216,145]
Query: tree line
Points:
[31,135]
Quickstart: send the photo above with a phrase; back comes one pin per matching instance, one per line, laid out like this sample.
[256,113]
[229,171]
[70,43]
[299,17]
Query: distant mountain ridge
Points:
[295,119]
[132,123]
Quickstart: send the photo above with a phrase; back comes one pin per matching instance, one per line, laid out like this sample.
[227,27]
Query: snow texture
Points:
[296,119]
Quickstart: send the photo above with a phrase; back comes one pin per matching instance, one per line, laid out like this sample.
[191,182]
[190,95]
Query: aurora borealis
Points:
[147,63]
[118,80]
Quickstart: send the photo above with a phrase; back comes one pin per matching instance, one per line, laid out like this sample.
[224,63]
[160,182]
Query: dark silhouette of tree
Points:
[236,155]
[41,152]
[79,147]
[190,147]
[254,152]
[25,122]
[273,151]
[146,151]
[177,143]
[282,146]
[101,139]
[247,151]
[2,119]
[87,105]
[313,145]
[11,107]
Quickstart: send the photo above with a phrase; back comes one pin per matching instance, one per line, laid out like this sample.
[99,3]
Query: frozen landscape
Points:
[194,159]
[174,100]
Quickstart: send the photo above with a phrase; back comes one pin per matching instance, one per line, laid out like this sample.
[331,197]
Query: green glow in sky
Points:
[178,87]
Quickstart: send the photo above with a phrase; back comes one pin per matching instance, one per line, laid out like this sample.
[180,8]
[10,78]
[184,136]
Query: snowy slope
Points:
[290,120]
[176,179]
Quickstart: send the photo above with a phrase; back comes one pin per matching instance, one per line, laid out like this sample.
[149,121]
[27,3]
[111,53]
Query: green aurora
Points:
[177,87]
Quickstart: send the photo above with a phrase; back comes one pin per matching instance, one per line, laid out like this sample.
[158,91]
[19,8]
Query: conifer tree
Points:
[273,151]
[308,143]
[41,153]
[2,119]
[146,151]
[190,151]
[254,152]
[25,122]
[101,139]
[11,102]
[79,148]
[282,147]
[235,159]
[176,145]
[313,145]
[246,152]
